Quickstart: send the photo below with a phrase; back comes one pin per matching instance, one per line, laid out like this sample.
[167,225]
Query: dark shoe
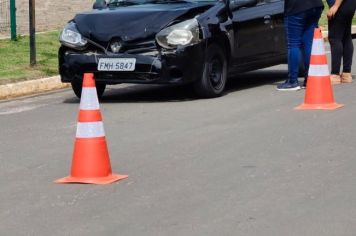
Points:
[287,86]
[304,85]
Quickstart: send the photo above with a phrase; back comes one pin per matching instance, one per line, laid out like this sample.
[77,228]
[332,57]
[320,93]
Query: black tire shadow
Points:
[185,93]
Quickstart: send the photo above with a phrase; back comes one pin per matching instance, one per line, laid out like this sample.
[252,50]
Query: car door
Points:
[253,34]
[277,9]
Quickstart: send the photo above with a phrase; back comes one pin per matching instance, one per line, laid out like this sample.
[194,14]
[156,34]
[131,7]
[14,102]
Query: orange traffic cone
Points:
[319,93]
[91,163]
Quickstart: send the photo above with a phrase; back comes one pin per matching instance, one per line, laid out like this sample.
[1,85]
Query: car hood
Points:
[133,22]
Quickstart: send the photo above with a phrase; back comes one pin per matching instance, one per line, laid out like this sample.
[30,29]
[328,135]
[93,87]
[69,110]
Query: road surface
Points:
[243,164]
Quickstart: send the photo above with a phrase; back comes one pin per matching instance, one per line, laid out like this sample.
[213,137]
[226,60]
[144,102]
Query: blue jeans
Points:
[300,31]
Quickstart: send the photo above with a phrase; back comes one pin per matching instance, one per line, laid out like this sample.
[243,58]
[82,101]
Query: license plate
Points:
[116,64]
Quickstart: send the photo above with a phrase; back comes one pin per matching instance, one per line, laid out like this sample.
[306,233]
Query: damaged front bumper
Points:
[182,65]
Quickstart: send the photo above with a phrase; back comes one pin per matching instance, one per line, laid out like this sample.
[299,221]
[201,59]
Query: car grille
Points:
[143,47]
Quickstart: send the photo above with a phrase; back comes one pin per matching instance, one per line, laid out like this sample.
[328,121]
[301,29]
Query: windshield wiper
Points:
[119,3]
[170,1]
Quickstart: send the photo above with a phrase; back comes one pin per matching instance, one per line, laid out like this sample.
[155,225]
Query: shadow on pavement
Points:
[184,93]
[255,79]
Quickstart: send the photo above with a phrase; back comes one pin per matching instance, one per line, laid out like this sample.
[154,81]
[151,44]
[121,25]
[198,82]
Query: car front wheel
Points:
[213,80]
[77,89]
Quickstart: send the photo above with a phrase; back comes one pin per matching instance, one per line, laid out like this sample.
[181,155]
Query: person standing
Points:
[301,18]
[340,17]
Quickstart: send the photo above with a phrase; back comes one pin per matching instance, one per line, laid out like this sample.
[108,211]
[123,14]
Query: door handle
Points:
[267,19]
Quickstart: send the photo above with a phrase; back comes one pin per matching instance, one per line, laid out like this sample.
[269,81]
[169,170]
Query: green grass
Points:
[15,58]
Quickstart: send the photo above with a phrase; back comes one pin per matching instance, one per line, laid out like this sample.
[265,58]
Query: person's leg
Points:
[313,16]
[347,54]
[348,47]
[348,50]
[336,34]
[341,41]
[335,40]
[294,25]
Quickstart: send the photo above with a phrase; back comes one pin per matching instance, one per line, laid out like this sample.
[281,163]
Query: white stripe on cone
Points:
[318,47]
[90,129]
[319,70]
[89,99]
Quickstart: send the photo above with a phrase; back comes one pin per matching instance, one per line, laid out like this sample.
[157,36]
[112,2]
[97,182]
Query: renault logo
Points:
[115,47]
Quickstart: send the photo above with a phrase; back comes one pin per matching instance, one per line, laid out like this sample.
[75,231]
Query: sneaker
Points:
[287,86]
[346,78]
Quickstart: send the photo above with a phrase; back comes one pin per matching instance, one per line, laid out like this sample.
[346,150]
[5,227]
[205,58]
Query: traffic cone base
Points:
[98,180]
[330,106]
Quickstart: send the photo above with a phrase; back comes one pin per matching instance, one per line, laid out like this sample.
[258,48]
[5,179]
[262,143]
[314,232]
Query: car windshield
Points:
[117,3]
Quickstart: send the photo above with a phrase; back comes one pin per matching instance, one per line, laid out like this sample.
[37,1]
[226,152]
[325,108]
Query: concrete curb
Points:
[29,87]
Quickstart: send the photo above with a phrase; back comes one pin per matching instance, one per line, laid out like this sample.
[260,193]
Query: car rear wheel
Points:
[213,80]
[77,89]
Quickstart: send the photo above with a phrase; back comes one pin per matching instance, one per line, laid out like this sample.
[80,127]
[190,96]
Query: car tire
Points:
[77,89]
[213,80]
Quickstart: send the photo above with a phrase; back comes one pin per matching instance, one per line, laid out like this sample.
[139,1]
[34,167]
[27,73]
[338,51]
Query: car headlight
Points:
[71,37]
[184,33]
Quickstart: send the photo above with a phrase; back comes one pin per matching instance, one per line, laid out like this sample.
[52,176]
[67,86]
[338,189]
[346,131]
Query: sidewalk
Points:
[19,89]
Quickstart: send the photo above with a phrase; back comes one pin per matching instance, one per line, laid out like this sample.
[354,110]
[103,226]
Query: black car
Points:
[199,42]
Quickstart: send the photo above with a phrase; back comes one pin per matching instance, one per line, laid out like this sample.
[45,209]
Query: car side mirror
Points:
[236,4]
[99,4]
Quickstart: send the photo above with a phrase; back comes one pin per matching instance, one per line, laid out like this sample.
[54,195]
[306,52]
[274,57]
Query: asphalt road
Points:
[243,164]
